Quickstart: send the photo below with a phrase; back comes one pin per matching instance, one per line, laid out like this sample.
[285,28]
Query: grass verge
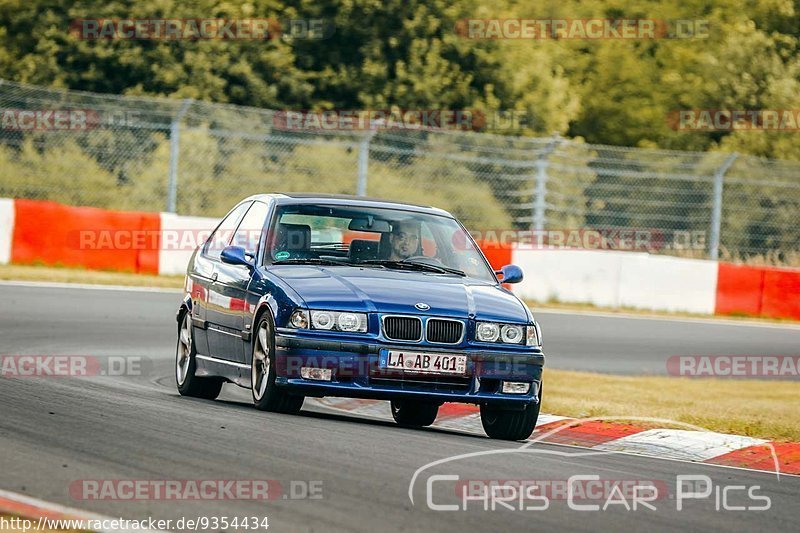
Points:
[755,408]
[77,275]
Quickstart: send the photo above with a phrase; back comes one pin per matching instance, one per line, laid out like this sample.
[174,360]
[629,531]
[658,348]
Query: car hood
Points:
[391,291]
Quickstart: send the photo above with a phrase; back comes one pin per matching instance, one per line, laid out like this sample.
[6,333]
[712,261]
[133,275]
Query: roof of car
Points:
[293,198]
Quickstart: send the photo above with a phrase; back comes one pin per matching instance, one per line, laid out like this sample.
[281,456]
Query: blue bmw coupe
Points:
[297,295]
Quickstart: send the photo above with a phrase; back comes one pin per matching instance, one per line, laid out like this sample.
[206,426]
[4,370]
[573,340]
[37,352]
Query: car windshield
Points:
[375,237]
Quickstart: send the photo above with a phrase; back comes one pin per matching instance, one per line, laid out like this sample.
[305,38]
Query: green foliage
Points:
[23,170]
[407,53]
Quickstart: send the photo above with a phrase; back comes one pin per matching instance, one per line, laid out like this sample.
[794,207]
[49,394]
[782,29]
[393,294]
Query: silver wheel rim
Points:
[260,365]
[183,357]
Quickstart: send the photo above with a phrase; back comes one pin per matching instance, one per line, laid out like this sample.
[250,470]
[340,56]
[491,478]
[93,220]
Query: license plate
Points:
[429,363]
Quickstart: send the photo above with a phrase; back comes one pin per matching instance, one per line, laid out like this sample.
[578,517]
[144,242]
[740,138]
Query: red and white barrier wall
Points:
[175,248]
[39,232]
[6,229]
[758,291]
[54,234]
[618,279]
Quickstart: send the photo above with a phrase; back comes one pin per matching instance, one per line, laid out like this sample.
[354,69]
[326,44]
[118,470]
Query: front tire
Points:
[185,365]
[414,413]
[510,425]
[267,396]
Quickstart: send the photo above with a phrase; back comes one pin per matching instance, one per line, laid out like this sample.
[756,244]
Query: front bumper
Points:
[356,372]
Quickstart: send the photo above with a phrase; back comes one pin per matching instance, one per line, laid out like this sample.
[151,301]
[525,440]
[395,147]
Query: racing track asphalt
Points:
[54,431]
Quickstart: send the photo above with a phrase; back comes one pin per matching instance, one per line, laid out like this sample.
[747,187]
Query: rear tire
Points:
[267,396]
[510,425]
[412,413]
[185,365]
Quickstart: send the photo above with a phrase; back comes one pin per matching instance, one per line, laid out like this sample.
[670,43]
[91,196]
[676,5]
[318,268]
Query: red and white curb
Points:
[607,435]
[40,511]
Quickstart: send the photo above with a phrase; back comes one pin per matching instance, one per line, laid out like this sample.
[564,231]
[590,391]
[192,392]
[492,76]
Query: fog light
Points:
[515,387]
[318,374]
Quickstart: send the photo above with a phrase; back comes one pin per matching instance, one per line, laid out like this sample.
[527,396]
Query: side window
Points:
[249,231]
[222,235]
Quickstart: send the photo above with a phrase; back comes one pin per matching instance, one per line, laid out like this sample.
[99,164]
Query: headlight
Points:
[511,334]
[299,319]
[352,322]
[329,320]
[502,333]
[487,332]
[322,320]
[533,336]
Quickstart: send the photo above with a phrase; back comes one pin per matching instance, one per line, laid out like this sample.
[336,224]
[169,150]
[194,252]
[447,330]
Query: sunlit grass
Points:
[756,408]
[78,275]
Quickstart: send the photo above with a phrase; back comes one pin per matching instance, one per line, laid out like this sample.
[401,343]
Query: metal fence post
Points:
[716,211]
[540,189]
[174,153]
[363,163]
[363,158]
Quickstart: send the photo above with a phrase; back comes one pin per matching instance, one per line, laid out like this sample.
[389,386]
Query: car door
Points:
[203,272]
[229,290]
[197,286]
[210,261]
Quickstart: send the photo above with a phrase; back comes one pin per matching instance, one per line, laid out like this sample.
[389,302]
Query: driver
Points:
[404,240]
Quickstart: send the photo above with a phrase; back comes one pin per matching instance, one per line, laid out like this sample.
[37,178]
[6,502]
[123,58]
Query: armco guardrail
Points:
[50,233]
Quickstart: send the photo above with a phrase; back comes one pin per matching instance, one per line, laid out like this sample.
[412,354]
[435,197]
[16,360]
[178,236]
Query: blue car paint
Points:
[280,289]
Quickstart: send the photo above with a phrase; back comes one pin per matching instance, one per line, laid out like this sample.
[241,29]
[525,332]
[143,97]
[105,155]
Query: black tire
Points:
[185,365]
[267,396]
[412,413]
[510,425]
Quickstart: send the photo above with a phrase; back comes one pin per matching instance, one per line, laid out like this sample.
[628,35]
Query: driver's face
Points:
[405,241]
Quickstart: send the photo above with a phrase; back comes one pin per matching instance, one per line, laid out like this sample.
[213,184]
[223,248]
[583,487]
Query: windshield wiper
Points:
[323,261]
[413,265]
[312,261]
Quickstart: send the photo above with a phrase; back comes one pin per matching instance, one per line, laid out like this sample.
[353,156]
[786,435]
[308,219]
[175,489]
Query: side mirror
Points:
[235,255]
[510,274]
